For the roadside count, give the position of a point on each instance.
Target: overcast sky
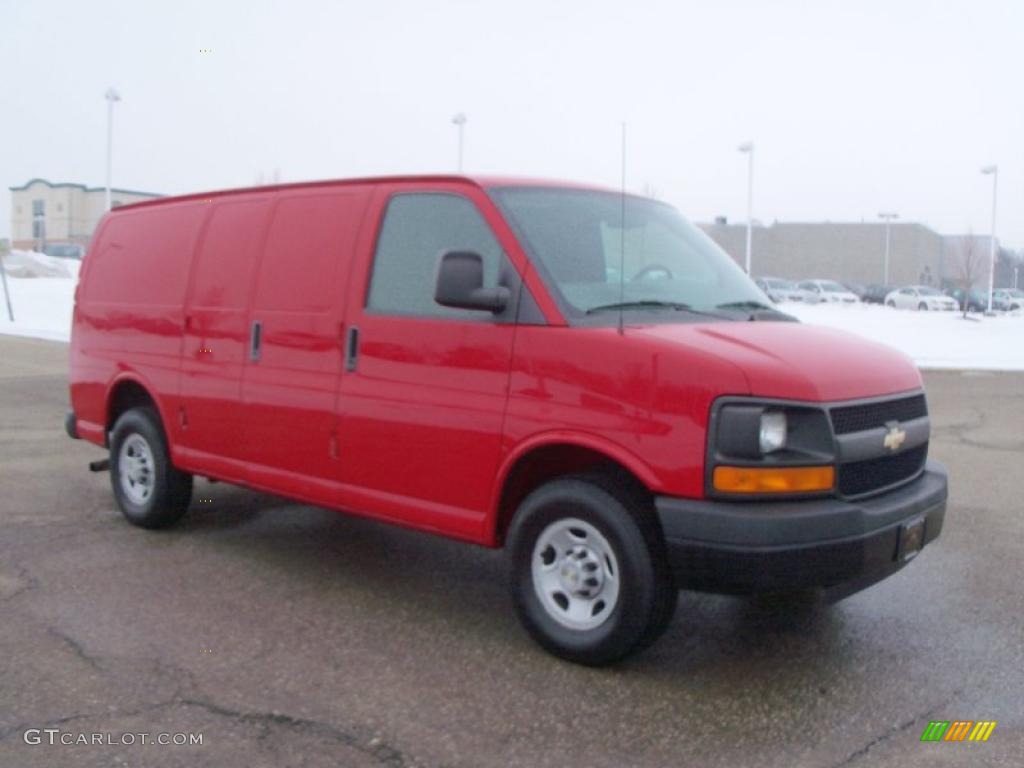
(855, 107)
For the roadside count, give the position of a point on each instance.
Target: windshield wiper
(744, 305)
(655, 304)
(754, 308)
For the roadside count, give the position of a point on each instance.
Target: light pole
(748, 148)
(111, 96)
(460, 120)
(888, 218)
(994, 170)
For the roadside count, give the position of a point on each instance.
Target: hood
(793, 361)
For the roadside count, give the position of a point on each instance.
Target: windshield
(833, 287)
(925, 291)
(658, 260)
(779, 283)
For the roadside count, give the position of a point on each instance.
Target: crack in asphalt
(862, 751)
(378, 749)
(375, 747)
(77, 648)
(22, 579)
(957, 433)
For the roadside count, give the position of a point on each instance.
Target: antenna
(622, 233)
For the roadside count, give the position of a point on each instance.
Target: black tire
(167, 491)
(922, 307)
(891, 303)
(646, 593)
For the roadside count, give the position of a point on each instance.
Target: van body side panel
(633, 401)
(422, 413)
(216, 343)
(129, 313)
(290, 385)
(87, 376)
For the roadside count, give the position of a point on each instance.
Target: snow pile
(931, 339)
(42, 307)
(35, 264)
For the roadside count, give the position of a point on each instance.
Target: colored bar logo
(958, 730)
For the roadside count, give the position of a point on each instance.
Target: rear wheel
(589, 577)
(891, 303)
(922, 307)
(150, 492)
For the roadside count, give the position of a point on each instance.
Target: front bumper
(743, 548)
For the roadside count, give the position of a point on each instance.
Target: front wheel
(149, 490)
(588, 572)
(891, 303)
(922, 307)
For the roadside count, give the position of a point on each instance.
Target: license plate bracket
(911, 539)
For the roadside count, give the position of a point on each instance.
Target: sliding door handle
(351, 348)
(255, 340)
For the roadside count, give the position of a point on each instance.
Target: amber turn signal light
(774, 479)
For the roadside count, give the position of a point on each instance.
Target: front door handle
(255, 340)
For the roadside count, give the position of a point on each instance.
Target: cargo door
(294, 352)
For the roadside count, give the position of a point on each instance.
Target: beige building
(852, 252)
(44, 213)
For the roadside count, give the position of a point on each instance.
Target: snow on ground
(42, 305)
(931, 339)
(42, 308)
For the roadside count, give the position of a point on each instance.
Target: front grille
(859, 477)
(857, 418)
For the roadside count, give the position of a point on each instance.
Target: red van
(577, 375)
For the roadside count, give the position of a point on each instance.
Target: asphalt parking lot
(293, 636)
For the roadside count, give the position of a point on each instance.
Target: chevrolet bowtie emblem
(894, 437)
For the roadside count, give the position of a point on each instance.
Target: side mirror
(460, 283)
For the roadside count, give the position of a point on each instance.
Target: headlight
(772, 434)
(765, 448)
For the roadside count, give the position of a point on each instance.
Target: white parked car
(782, 290)
(1011, 298)
(828, 290)
(921, 297)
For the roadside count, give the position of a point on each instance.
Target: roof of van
(478, 181)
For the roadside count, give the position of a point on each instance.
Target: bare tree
(969, 266)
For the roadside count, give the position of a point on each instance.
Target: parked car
(856, 289)
(64, 250)
(1011, 299)
(876, 293)
(830, 291)
(780, 290)
(976, 301)
(921, 297)
(448, 354)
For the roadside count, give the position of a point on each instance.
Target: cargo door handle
(351, 348)
(255, 341)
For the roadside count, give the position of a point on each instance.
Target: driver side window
(417, 229)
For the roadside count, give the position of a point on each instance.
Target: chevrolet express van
(578, 376)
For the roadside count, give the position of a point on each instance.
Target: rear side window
(144, 256)
(417, 229)
(310, 236)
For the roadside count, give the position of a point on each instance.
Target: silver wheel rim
(135, 465)
(575, 574)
